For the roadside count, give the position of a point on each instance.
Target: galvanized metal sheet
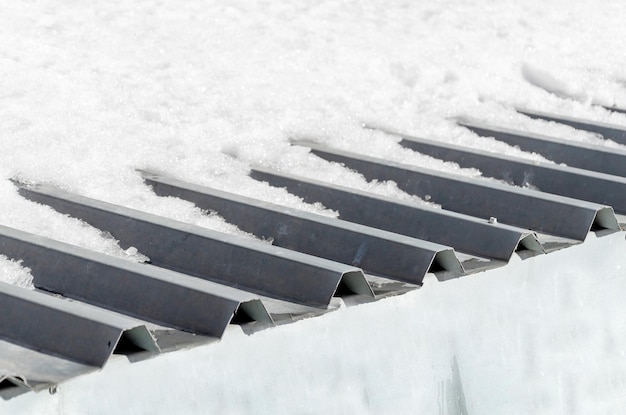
(25, 369)
(465, 233)
(73, 330)
(144, 291)
(236, 261)
(581, 155)
(547, 177)
(608, 131)
(375, 251)
(557, 215)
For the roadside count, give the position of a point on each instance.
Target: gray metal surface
(11, 386)
(72, 330)
(25, 369)
(557, 215)
(581, 155)
(46, 339)
(375, 251)
(140, 290)
(616, 109)
(236, 261)
(608, 131)
(547, 177)
(464, 233)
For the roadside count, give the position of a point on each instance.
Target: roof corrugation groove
(250, 265)
(551, 178)
(556, 215)
(608, 131)
(81, 336)
(581, 155)
(375, 251)
(190, 284)
(472, 235)
(143, 291)
(616, 109)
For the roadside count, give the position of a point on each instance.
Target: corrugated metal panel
(46, 339)
(376, 251)
(246, 264)
(471, 235)
(581, 155)
(72, 330)
(556, 215)
(144, 291)
(608, 131)
(25, 369)
(551, 178)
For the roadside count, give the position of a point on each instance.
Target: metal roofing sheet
(237, 261)
(581, 155)
(608, 131)
(471, 235)
(526, 208)
(46, 339)
(376, 251)
(551, 178)
(68, 329)
(25, 369)
(140, 290)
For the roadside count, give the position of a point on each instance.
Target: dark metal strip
(227, 259)
(581, 155)
(557, 215)
(143, 291)
(73, 330)
(551, 178)
(374, 250)
(608, 131)
(616, 109)
(464, 233)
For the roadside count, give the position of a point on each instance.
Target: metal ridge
(615, 109)
(240, 262)
(547, 177)
(72, 330)
(608, 131)
(143, 291)
(472, 235)
(543, 212)
(575, 154)
(375, 251)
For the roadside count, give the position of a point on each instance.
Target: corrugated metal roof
(88, 306)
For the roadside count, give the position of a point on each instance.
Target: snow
(202, 91)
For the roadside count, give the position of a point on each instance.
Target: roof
(87, 306)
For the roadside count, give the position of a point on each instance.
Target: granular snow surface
(92, 91)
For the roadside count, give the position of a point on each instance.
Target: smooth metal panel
(575, 154)
(465, 233)
(557, 215)
(73, 330)
(227, 259)
(141, 290)
(374, 250)
(608, 131)
(546, 177)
